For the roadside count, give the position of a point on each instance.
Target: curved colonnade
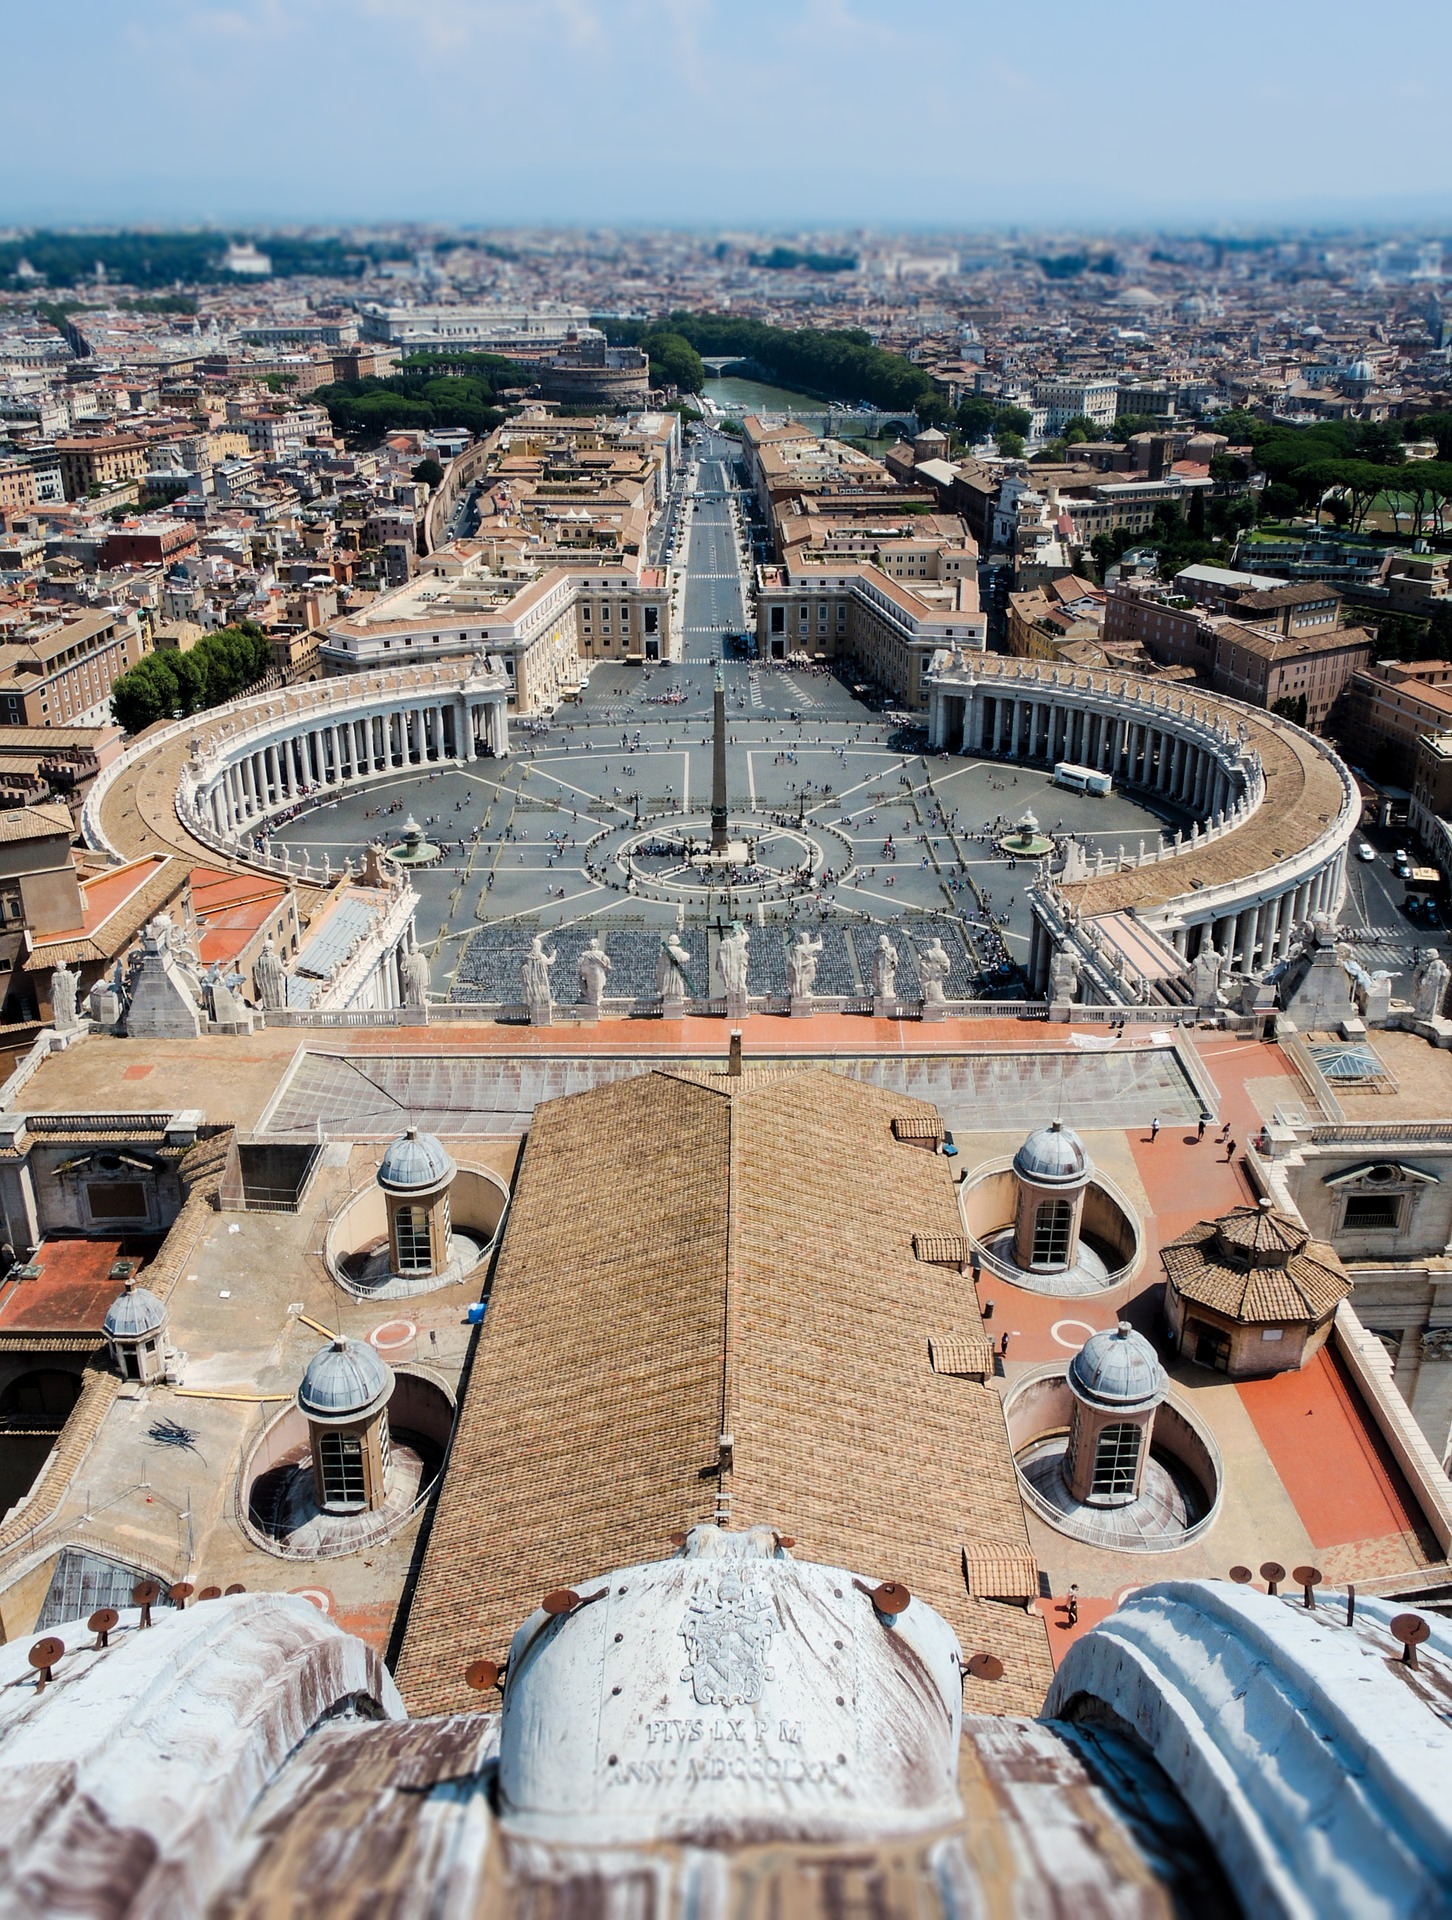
(253, 759)
(1272, 808)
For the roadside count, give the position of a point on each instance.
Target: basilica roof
(691, 1256)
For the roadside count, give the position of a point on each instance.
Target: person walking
(1200, 1129)
(1229, 1150)
(1155, 1128)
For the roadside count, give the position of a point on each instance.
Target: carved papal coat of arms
(727, 1632)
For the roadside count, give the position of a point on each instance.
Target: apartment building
(1282, 641)
(60, 672)
(1265, 666)
(919, 549)
(273, 434)
(39, 888)
(101, 460)
(1095, 399)
(1432, 786)
(1292, 608)
(1387, 707)
(152, 542)
(788, 467)
(853, 611)
(1107, 505)
(1415, 582)
(1043, 621)
(17, 486)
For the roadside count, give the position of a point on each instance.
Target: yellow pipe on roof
(226, 1393)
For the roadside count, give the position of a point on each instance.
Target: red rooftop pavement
(1309, 1417)
(72, 1293)
(761, 1034)
(1092, 1609)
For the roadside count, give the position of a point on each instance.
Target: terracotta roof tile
(969, 1355)
(1001, 1570)
(1305, 1286)
(942, 1249)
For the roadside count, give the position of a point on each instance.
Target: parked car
(1365, 851)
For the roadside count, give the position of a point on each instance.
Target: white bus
(1081, 779)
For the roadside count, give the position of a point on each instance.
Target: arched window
(341, 1455)
(415, 1243)
(1053, 1224)
(1116, 1458)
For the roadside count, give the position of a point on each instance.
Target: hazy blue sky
(773, 112)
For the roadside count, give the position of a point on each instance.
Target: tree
(1127, 425)
(1080, 429)
(430, 472)
(674, 362)
(1278, 501)
(1238, 426)
(840, 363)
(219, 666)
(1010, 444)
(933, 410)
(1378, 440)
(1291, 707)
(1432, 426)
(1226, 518)
(976, 418)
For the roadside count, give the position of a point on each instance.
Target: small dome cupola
(1054, 1156)
(344, 1395)
(1117, 1383)
(1118, 1370)
(1051, 1172)
(134, 1313)
(1259, 1237)
(345, 1380)
(135, 1330)
(415, 1175)
(413, 1163)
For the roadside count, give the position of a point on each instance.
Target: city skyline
(680, 113)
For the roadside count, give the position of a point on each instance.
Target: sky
(768, 114)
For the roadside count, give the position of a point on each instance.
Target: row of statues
(675, 986)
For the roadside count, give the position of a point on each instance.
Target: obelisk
(720, 837)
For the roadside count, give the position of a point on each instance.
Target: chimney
(733, 1064)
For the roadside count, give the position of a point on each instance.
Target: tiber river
(737, 397)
